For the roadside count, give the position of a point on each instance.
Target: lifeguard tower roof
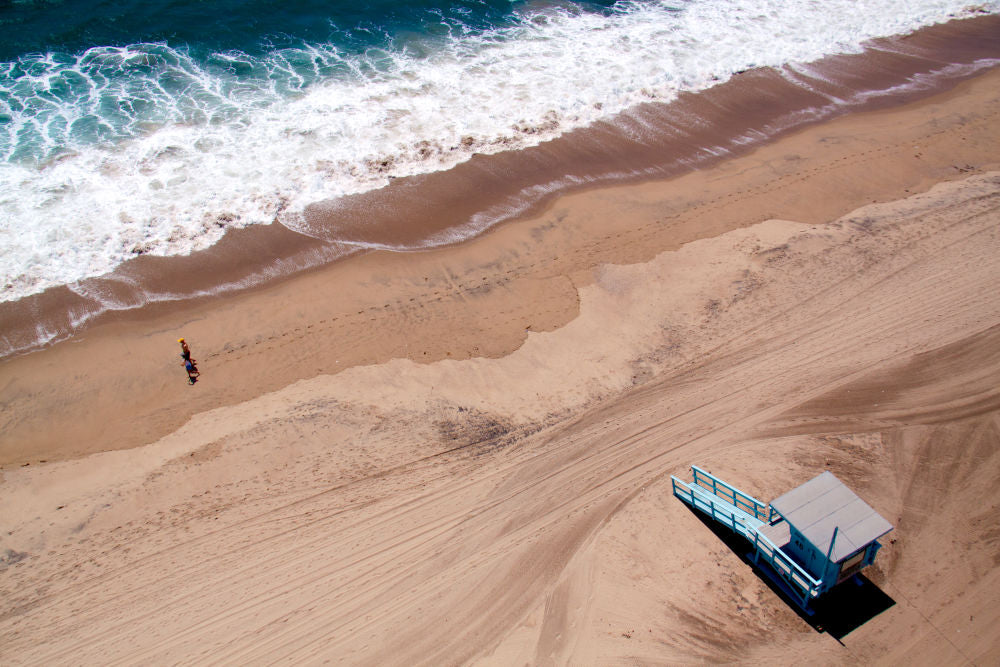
(824, 503)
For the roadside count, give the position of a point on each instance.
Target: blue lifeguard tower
(807, 541)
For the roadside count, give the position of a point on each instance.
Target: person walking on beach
(185, 350)
(189, 364)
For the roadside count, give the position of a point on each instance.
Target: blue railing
(730, 494)
(718, 508)
(801, 581)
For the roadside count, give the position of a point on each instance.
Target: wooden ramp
(758, 523)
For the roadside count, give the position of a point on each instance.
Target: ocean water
(132, 128)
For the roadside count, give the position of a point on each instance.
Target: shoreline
(652, 142)
(120, 385)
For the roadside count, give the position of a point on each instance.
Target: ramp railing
(717, 507)
(730, 494)
(745, 515)
(800, 581)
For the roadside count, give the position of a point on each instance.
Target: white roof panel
(824, 503)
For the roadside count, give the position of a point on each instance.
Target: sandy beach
(463, 455)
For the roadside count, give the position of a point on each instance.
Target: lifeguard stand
(810, 539)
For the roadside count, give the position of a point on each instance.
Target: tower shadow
(838, 612)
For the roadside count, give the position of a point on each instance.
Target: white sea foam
(187, 153)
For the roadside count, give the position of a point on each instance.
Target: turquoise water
(254, 27)
(75, 73)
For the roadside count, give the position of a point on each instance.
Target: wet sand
(121, 384)
(462, 455)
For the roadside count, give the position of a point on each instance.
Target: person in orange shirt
(185, 350)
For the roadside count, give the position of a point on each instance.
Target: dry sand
(463, 456)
